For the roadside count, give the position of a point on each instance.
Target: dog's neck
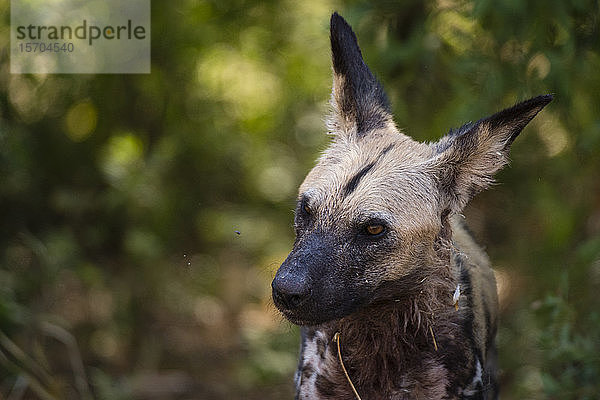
(389, 347)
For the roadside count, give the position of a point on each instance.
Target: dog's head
(373, 208)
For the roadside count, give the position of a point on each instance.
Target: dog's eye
(306, 208)
(374, 229)
(304, 212)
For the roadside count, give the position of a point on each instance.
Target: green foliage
(570, 330)
(568, 340)
(121, 195)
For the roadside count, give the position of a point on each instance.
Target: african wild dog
(381, 258)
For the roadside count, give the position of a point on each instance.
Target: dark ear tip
(538, 101)
(338, 23)
(336, 19)
(545, 98)
(344, 45)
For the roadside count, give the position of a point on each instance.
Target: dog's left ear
(467, 159)
(359, 102)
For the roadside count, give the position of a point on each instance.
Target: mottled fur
(380, 250)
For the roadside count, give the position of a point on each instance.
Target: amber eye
(306, 208)
(374, 229)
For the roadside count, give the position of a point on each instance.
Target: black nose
(289, 291)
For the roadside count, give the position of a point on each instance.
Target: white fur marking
(456, 296)
(313, 358)
(472, 388)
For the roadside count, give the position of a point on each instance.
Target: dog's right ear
(358, 100)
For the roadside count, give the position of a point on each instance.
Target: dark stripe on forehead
(387, 149)
(353, 183)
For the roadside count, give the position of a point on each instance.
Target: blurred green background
(143, 216)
